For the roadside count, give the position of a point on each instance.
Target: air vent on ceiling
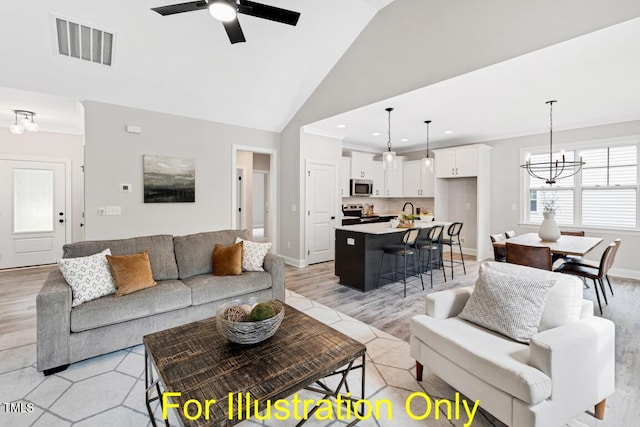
(81, 41)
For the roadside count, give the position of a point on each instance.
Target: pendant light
(552, 170)
(427, 162)
(389, 157)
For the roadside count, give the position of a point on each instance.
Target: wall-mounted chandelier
(552, 170)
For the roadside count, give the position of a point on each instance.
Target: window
(603, 194)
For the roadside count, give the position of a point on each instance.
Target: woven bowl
(249, 332)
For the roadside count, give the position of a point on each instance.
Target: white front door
(32, 212)
(321, 211)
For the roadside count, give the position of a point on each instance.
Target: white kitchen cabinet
(361, 165)
(345, 175)
(378, 179)
(393, 181)
(456, 162)
(415, 183)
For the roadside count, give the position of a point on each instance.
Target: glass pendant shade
(427, 165)
(24, 121)
(223, 10)
(16, 129)
(389, 156)
(31, 126)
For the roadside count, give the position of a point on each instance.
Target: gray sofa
(186, 292)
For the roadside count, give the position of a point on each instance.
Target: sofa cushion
(489, 356)
(131, 272)
(227, 260)
(564, 301)
(253, 254)
(511, 305)
(193, 251)
(207, 288)
(160, 248)
(89, 277)
(166, 296)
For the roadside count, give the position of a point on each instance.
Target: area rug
(109, 390)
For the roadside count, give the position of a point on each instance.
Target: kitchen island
(359, 251)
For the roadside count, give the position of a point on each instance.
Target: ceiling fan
(227, 11)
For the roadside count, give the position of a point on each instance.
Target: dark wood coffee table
(196, 361)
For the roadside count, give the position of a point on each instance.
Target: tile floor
(109, 390)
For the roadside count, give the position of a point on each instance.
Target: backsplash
(392, 206)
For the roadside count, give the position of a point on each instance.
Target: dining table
(565, 245)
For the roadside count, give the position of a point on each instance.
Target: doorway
(255, 192)
(33, 211)
(321, 211)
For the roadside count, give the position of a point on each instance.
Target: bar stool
(406, 249)
(431, 244)
(454, 240)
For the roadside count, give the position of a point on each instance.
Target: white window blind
(609, 187)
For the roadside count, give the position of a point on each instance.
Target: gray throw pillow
(507, 304)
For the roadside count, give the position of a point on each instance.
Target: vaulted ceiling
(181, 64)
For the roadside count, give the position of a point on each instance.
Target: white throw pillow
(564, 302)
(89, 277)
(253, 254)
(507, 304)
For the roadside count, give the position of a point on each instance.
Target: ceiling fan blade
(181, 7)
(234, 31)
(268, 12)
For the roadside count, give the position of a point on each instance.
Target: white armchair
(567, 368)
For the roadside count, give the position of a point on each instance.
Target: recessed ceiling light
(404, 140)
(376, 134)
(448, 132)
(342, 126)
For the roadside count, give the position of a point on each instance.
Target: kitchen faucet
(412, 208)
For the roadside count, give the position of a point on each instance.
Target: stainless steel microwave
(361, 187)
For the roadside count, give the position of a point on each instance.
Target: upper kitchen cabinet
(387, 182)
(378, 179)
(416, 183)
(393, 179)
(457, 162)
(361, 165)
(345, 175)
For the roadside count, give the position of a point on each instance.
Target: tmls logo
(18, 407)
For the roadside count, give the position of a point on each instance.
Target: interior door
(32, 212)
(321, 211)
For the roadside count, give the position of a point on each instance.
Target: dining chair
(509, 234)
(499, 252)
(592, 264)
(405, 250)
(594, 273)
(431, 245)
(531, 256)
(453, 239)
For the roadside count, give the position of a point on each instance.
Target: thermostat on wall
(125, 188)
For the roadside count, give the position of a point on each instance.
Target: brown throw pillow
(227, 260)
(131, 272)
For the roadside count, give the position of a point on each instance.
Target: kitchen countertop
(384, 227)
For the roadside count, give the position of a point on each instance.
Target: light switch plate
(114, 210)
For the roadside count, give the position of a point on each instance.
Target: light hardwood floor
(385, 308)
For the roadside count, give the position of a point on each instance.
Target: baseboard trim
(625, 273)
(294, 262)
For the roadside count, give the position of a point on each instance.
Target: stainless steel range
(359, 214)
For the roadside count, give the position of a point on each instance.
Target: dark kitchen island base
(358, 256)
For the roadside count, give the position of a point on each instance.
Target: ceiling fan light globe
(223, 10)
(16, 129)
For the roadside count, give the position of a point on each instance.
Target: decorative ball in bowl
(249, 320)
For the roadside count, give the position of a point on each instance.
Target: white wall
(414, 43)
(58, 146)
(113, 156)
(505, 189)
